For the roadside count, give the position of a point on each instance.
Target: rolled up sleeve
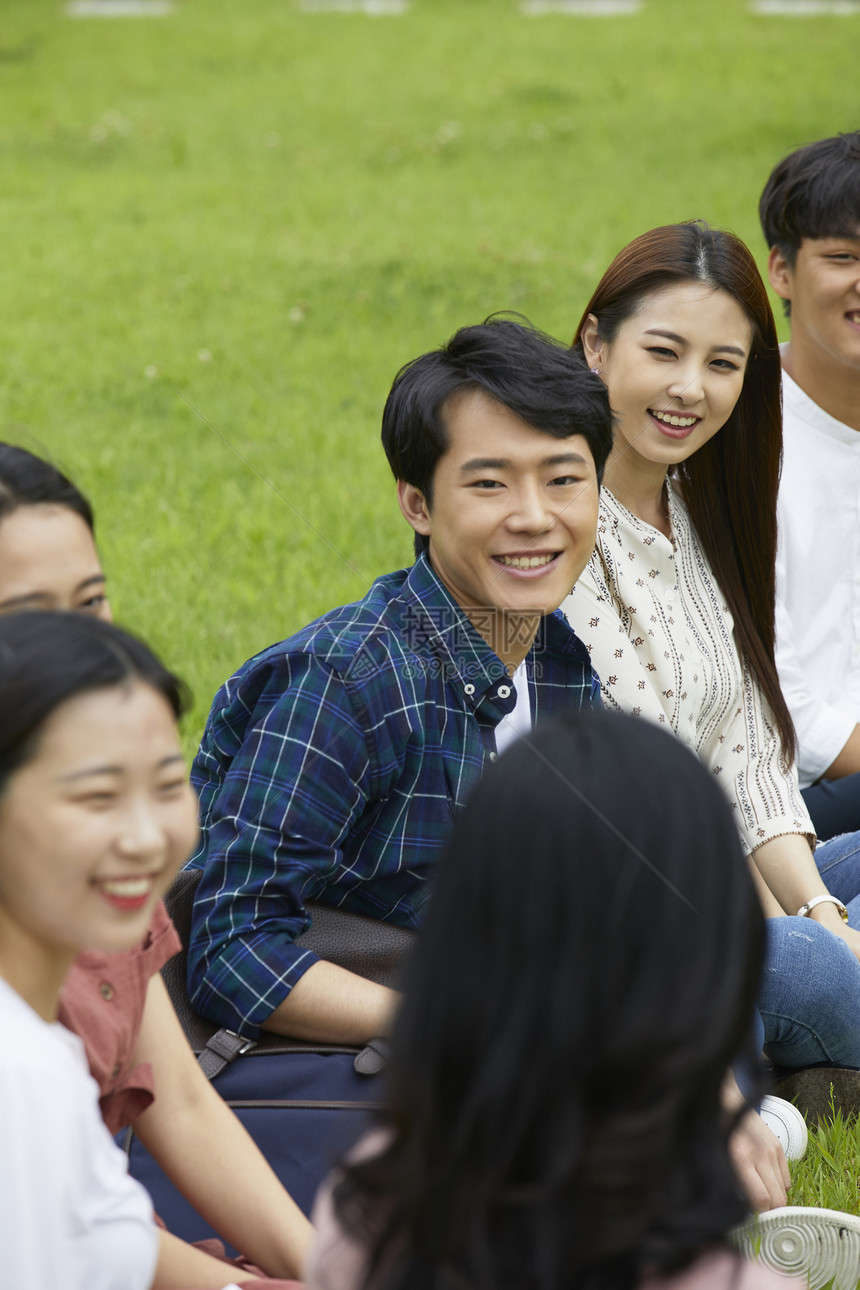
(274, 826)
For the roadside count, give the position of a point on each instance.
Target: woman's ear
(592, 346)
(415, 509)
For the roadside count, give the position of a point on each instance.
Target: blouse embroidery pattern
(661, 637)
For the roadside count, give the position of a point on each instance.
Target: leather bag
(303, 1104)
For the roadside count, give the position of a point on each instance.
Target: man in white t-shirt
(810, 213)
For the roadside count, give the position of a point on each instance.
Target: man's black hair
(813, 192)
(545, 384)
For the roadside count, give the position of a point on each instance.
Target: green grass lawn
(829, 1173)
(224, 232)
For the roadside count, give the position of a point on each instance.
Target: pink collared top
(102, 1002)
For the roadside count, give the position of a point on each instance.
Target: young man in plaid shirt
(332, 763)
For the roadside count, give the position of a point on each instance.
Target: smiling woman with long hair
(555, 1117)
(676, 605)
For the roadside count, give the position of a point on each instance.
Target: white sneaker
(787, 1123)
(821, 1245)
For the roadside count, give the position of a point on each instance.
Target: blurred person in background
(96, 817)
(117, 1002)
(810, 214)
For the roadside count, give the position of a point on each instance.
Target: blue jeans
(834, 805)
(810, 993)
(746, 1077)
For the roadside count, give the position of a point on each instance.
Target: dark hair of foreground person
(554, 1116)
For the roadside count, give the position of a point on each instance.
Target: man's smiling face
(513, 514)
(823, 286)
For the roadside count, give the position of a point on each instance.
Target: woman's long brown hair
(730, 485)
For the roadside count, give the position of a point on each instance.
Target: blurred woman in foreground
(570, 1016)
(96, 817)
(136, 1049)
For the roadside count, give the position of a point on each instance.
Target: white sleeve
(822, 729)
(122, 1240)
(746, 754)
(70, 1216)
(37, 1182)
(644, 676)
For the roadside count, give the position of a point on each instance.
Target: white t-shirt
(70, 1216)
(818, 579)
(519, 721)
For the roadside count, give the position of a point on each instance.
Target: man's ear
(592, 346)
(415, 509)
(779, 273)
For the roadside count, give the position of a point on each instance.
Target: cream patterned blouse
(661, 639)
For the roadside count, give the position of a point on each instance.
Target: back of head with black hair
(534, 376)
(813, 192)
(584, 979)
(28, 480)
(48, 657)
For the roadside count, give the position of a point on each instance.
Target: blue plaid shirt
(330, 770)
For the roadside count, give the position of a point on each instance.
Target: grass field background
(224, 231)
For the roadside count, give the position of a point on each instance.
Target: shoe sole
(822, 1245)
(787, 1123)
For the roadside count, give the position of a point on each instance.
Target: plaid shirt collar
(433, 620)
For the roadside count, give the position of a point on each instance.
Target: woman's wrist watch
(806, 910)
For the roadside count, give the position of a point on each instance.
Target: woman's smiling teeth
(672, 419)
(526, 561)
(130, 888)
